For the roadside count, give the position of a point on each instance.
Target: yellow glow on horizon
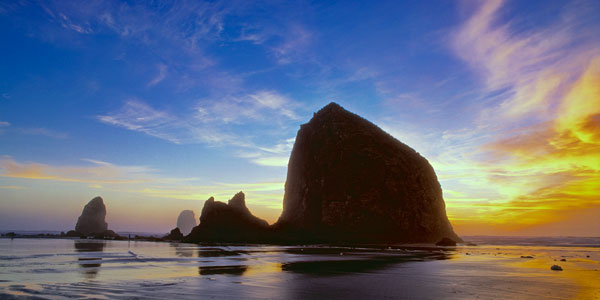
(543, 173)
(533, 158)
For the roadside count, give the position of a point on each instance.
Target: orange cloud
(542, 164)
(98, 173)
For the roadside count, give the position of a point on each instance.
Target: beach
(96, 269)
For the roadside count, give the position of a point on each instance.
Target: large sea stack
(186, 222)
(228, 222)
(349, 181)
(92, 218)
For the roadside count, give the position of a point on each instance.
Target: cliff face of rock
(92, 218)
(186, 222)
(349, 181)
(228, 222)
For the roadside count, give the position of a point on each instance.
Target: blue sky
(157, 106)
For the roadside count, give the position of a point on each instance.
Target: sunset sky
(156, 107)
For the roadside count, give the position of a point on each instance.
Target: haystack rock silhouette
(186, 221)
(92, 222)
(349, 181)
(228, 222)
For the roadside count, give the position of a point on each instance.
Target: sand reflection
(338, 261)
(183, 250)
(317, 261)
(578, 269)
(89, 262)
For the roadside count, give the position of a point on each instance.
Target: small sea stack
(92, 222)
(186, 221)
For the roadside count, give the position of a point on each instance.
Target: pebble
(556, 268)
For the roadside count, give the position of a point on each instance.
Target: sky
(157, 106)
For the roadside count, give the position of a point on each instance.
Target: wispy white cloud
(275, 156)
(293, 45)
(187, 27)
(261, 106)
(162, 74)
(138, 116)
(3, 125)
(9, 6)
(532, 66)
(191, 29)
(44, 132)
(137, 19)
(362, 73)
(80, 28)
(210, 123)
(251, 34)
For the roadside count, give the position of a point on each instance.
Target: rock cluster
(228, 222)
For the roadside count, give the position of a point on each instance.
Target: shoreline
(148, 269)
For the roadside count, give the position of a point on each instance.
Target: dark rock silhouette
(349, 181)
(446, 242)
(556, 268)
(186, 221)
(175, 235)
(91, 223)
(231, 222)
(92, 217)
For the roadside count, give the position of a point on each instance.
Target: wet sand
(61, 269)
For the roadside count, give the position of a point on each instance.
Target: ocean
(488, 268)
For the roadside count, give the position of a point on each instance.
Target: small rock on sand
(526, 256)
(556, 268)
(564, 259)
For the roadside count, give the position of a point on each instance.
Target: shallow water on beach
(94, 269)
